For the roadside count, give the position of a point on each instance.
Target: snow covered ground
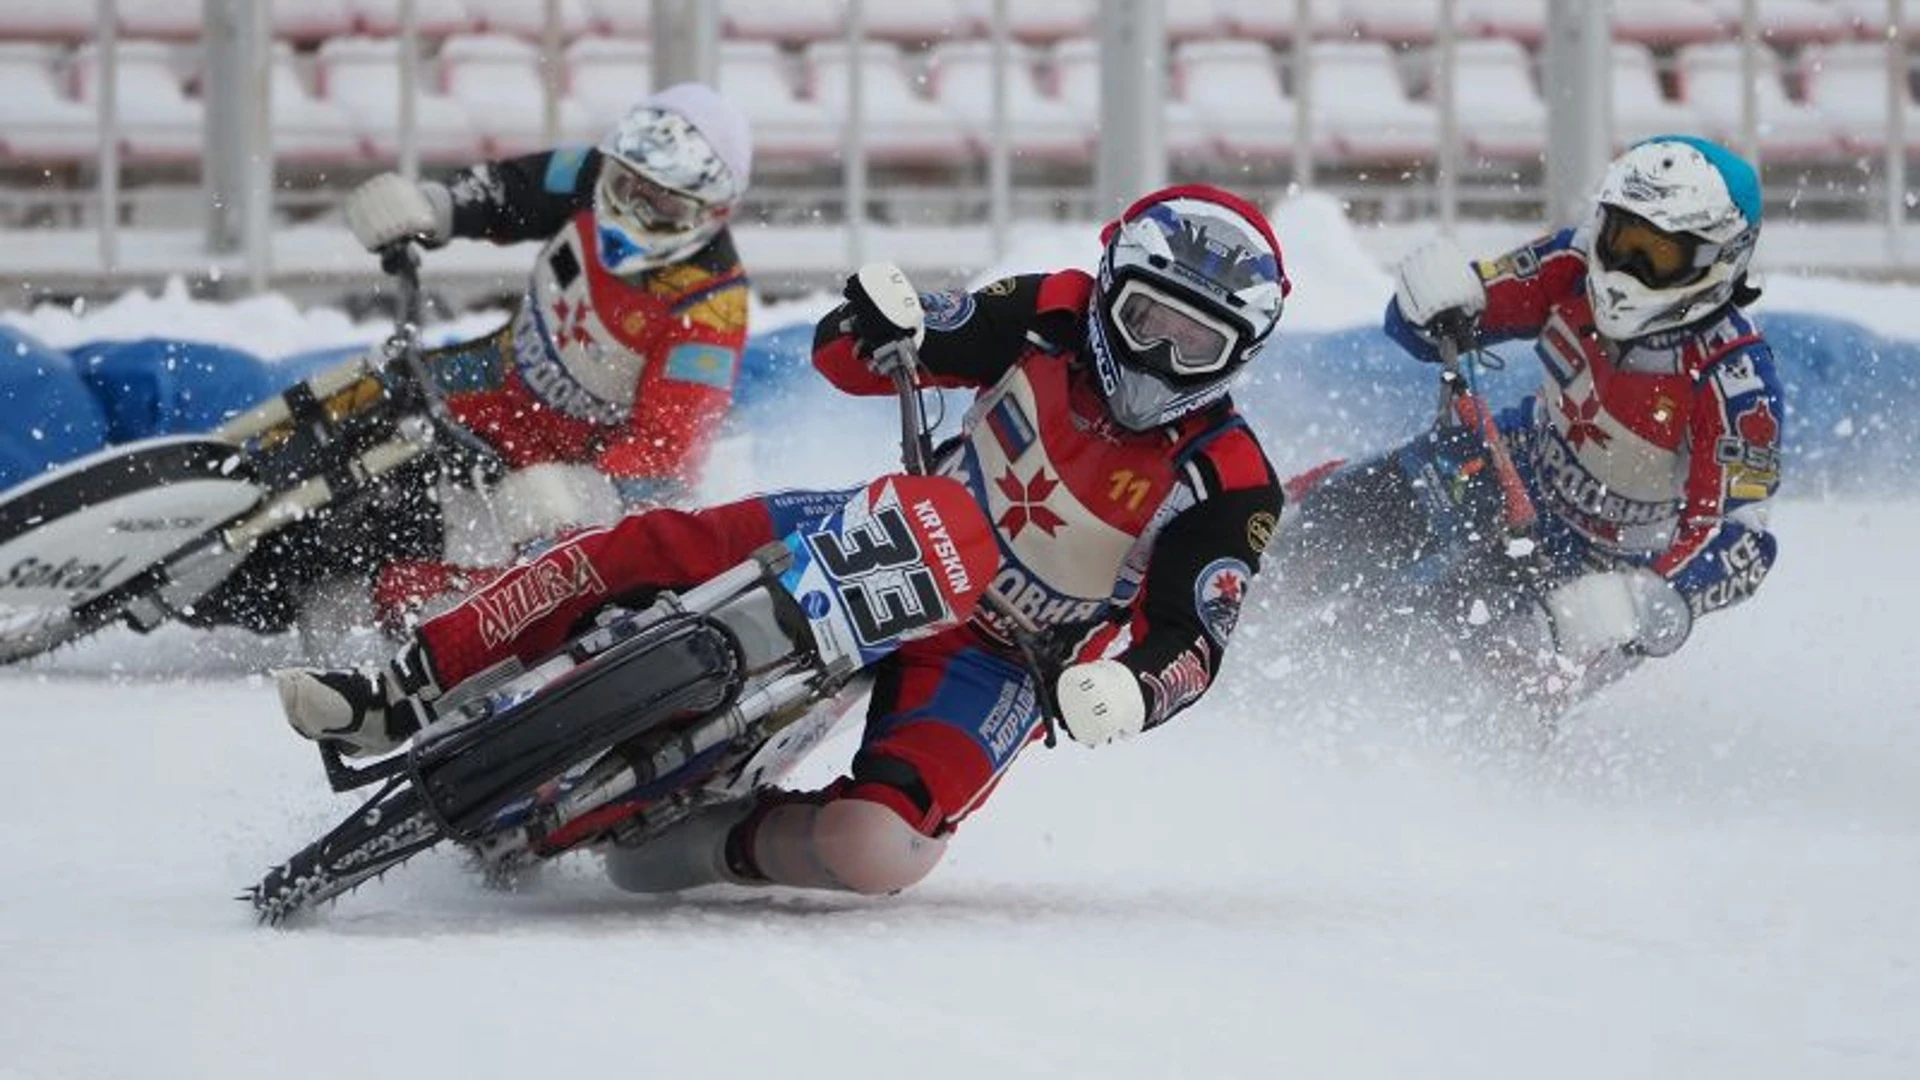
(1714, 874)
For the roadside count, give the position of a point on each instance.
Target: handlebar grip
(1456, 327)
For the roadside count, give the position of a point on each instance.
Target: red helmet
(1189, 288)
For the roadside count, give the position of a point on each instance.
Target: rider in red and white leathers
(1653, 444)
(1130, 501)
(605, 389)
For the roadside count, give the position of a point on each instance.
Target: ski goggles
(1199, 343)
(1650, 255)
(626, 193)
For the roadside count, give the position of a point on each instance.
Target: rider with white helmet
(605, 389)
(1653, 443)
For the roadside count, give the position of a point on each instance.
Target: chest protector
(1075, 500)
(582, 336)
(1610, 443)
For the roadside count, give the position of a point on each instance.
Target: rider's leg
(528, 612)
(946, 719)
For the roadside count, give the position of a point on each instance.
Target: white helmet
(670, 175)
(1672, 232)
(1189, 288)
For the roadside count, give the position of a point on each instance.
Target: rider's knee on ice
(848, 843)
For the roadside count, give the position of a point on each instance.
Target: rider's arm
(1521, 286)
(1721, 552)
(1176, 633)
(972, 337)
(523, 198)
(686, 385)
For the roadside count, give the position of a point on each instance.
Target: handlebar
(401, 262)
(1460, 406)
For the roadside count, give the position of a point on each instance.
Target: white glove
(390, 207)
(1434, 279)
(1100, 701)
(883, 310)
(1615, 609)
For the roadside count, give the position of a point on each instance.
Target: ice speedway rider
(604, 389)
(1653, 443)
(1130, 501)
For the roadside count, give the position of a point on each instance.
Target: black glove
(882, 310)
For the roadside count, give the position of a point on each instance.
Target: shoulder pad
(1234, 452)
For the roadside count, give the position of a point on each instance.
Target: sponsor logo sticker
(1260, 529)
(1217, 596)
(946, 309)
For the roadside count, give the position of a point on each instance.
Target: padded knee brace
(846, 842)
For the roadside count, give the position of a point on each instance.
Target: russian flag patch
(1010, 427)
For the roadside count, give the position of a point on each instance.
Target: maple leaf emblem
(570, 323)
(1758, 425)
(1027, 503)
(1580, 425)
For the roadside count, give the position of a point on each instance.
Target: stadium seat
(1710, 81)
(1502, 117)
(1235, 92)
(901, 127)
(1194, 20)
(497, 78)
(1788, 22)
(1640, 108)
(1847, 83)
(798, 21)
(1665, 22)
(621, 18)
(1360, 102)
(158, 121)
(437, 18)
(362, 76)
(311, 20)
(1390, 20)
(1076, 66)
(608, 76)
(1868, 18)
(789, 132)
(1041, 22)
(1266, 20)
(305, 128)
(1524, 21)
(159, 19)
(37, 122)
(47, 20)
(525, 19)
(920, 22)
(1039, 127)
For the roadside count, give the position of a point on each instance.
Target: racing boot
(708, 848)
(361, 712)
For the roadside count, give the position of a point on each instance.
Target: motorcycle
(702, 696)
(1422, 565)
(195, 528)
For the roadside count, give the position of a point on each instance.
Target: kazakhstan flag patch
(709, 365)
